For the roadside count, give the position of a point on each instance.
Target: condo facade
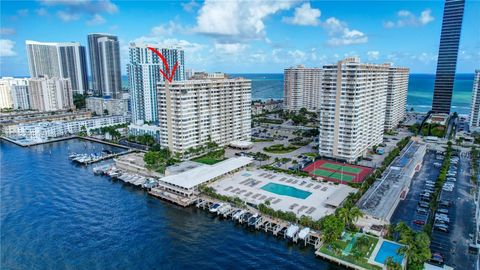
(447, 55)
(397, 89)
(104, 52)
(353, 105)
(107, 106)
(14, 93)
(209, 108)
(143, 75)
(59, 60)
(302, 88)
(475, 107)
(50, 94)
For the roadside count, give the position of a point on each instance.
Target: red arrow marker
(167, 76)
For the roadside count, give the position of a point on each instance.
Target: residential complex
(143, 75)
(475, 107)
(353, 105)
(59, 60)
(447, 55)
(397, 89)
(5, 95)
(140, 129)
(42, 131)
(104, 52)
(107, 106)
(302, 88)
(50, 94)
(209, 108)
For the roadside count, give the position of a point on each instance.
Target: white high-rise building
(397, 89)
(302, 88)
(353, 102)
(5, 95)
(104, 51)
(194, 112)
(14, 93)
(50, 94)
(144, 74)
(59, 60)
(475, 107)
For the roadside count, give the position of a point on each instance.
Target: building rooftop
(199, 175)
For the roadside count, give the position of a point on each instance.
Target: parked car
(422, 210)
(423, 205)
(437, 258)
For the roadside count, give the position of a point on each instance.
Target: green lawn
(280, 149)
(363, 251)
(208, 160)
(339, 167)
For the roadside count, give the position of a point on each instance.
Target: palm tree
(355, 214)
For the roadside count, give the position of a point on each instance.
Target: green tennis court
(338, 167)
(334, 175)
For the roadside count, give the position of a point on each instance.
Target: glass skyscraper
(447, 55)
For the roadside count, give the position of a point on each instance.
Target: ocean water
(56, 215)
(420, 90)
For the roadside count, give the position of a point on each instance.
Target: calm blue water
(420, 90)
(55, 215)
(388, 249)
(286, 190)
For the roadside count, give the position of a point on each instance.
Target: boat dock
(86, 159)
(253, 219)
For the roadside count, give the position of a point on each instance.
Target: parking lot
(454, 225)
(453, 245)
(407, 209)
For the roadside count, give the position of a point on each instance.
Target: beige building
(212, 108)
(109, 106)
(50, 94)
(302, 88)
(353, 102)
(397, 89)
(475, 107)
(5, 95)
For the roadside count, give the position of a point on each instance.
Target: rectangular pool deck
(300, 195)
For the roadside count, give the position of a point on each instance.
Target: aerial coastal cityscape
(162, 153)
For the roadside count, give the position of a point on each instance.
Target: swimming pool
(286, 190)
(388, 249)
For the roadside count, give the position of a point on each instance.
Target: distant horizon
(259, 73)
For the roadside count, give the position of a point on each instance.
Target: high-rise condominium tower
(475, 108)
(397, 89)
(209, 107)
(353, 104)
(50, 94)
(59, 60)
(143, 75)
(104, 51)
(447, 55)
(302, 88)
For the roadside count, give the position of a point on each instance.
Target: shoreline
(65, 139)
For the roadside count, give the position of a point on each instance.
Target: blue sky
(239, 36)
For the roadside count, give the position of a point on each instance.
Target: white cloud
(373, 55)
(96, 20)
(22, 12)
(7, 31)
(237, 19)
(6, 48)
(67, 17)
(71, 10)
(230, 48)
(407, 18)
(41, 11)
(190, 6)
(304, 15)
(84, 6)
(341, 35)
(169, 29)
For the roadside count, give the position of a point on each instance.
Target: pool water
(286, 190)
(389, 249)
